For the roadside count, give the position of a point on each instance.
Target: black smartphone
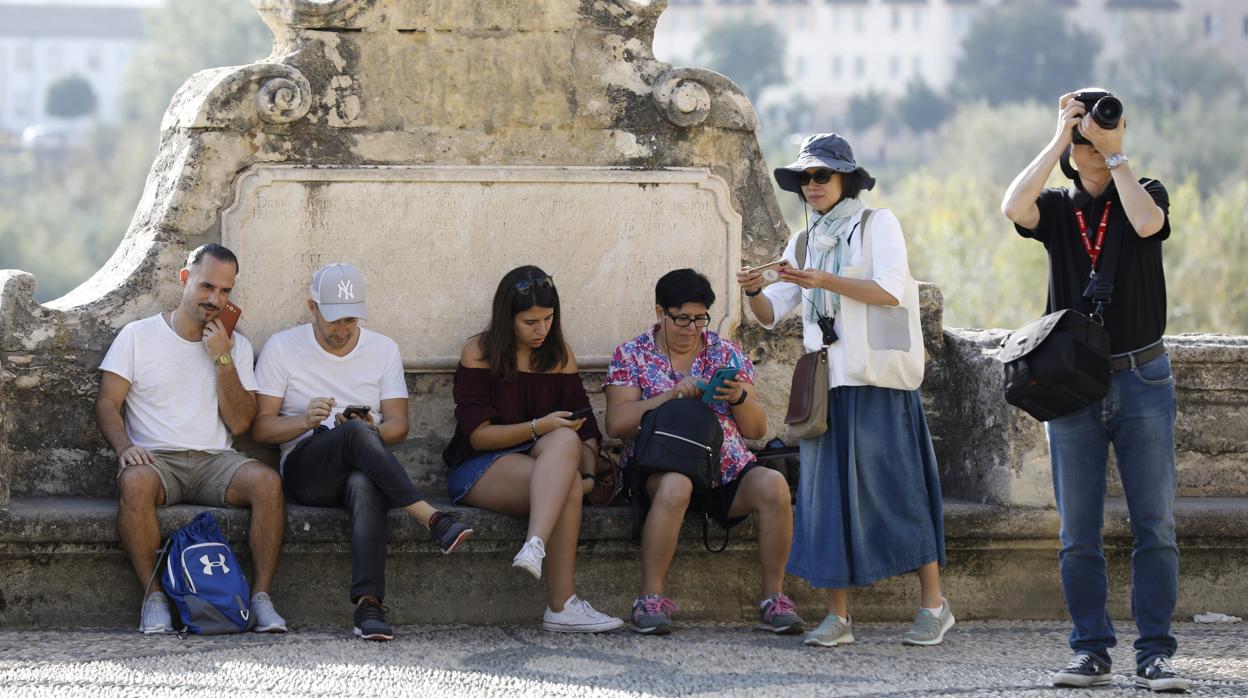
(360, 411)
(578, 414)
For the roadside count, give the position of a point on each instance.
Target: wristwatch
(223, 360)
(1115, 161)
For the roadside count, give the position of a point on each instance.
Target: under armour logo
(346, 290)
(209, 564)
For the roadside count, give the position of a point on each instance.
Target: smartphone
(360, 411)
(771, 270)
(726, 373)
(580, 414)
(229, 317)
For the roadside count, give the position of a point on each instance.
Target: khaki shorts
(197, 477)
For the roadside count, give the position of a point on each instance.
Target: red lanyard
(1094, 251)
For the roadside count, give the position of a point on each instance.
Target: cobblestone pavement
(978, 658)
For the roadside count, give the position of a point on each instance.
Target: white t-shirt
(294, 367)
(891, 271)
(172, 402)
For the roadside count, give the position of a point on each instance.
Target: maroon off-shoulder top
(479, 398)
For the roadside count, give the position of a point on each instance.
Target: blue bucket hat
(825, 150)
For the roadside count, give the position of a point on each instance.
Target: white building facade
(43, 43)
(837, 49)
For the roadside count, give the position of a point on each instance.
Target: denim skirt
(868, 499)
(463, 476)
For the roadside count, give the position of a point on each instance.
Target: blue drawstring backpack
(205, 581)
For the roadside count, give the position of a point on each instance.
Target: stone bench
(63, 566)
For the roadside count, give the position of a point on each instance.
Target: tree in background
(1162, 69)
(749, 51)
(1023, 51)
(865, 110)
(62, 223)
(921, 108)
(70, 97)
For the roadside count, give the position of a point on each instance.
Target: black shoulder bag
(1060, 363)
(679, 436)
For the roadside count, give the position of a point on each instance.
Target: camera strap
(1100, 288)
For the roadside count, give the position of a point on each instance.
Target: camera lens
(1107, 112)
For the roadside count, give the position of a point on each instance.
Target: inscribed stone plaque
(433, 243)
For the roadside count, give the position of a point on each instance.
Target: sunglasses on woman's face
(525, 286)
(820, 177)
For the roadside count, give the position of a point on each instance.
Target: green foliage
(1023, 51)
(921, 108)
(1205, 259)
(70, 97)
(1162, 70)
(749, 51)
(60, 219)
(865, 110)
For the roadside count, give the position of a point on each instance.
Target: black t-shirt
(1136, 317)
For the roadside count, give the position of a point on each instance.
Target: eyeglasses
(685, 320)
(525, 286)
(820, 177)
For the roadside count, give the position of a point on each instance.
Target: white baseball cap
(339, 291)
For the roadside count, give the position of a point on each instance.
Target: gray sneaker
(929, 628)
(831, 632)
(778, 615)
(154, 618)
(267, 619)
(652, 615)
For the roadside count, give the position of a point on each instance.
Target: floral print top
(641, 364)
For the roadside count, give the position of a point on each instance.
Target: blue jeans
(1137, 417)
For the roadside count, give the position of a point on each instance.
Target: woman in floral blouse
(672, 360)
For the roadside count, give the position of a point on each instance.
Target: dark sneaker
(779, 615)
(448, 531)
(1157, 675)
(370, 620)
(652, 615)
(1083, 670)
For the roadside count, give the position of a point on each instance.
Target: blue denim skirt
(463, 476)
(868, 500)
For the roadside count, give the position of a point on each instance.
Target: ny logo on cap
(346, 290)
(209, 564)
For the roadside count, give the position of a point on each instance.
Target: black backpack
(680, 436)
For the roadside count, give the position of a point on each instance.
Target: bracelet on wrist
(739, 401)
(755, 292)
(533, 428)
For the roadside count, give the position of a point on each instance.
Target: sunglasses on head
(525, 286)
(820, 177)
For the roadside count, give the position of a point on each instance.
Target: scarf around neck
(825, 238)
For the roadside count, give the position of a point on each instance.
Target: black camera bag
(1060, 363)
(679, 436)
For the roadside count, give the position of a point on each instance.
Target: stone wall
(380, 90)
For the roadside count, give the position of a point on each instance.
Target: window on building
(1246, 26)
(860, 67)
(838, 16)
(916, 66)
(895, 19)
(918, 20)
(24, 59)
(55, 58)
(1213, 27)
(860, 20)
(94, 58)
(838, 67)
(894, 66)
(799, 67)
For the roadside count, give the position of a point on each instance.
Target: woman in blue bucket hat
(868, 501)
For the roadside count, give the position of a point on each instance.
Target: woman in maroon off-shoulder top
(521, 443)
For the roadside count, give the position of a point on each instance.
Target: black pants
(350, 466)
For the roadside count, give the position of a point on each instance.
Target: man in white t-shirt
(187, 387)
(333, 395)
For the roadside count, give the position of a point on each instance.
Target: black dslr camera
(1106, 110)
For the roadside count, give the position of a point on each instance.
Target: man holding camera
(1137, 416)
(333, 394)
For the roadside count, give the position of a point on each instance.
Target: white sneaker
(267, 619)
(578, 616)
(530, 557)
(154, 618)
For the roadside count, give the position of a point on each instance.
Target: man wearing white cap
(333, 395)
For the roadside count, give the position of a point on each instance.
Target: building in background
(841, 48)
(42, 42)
